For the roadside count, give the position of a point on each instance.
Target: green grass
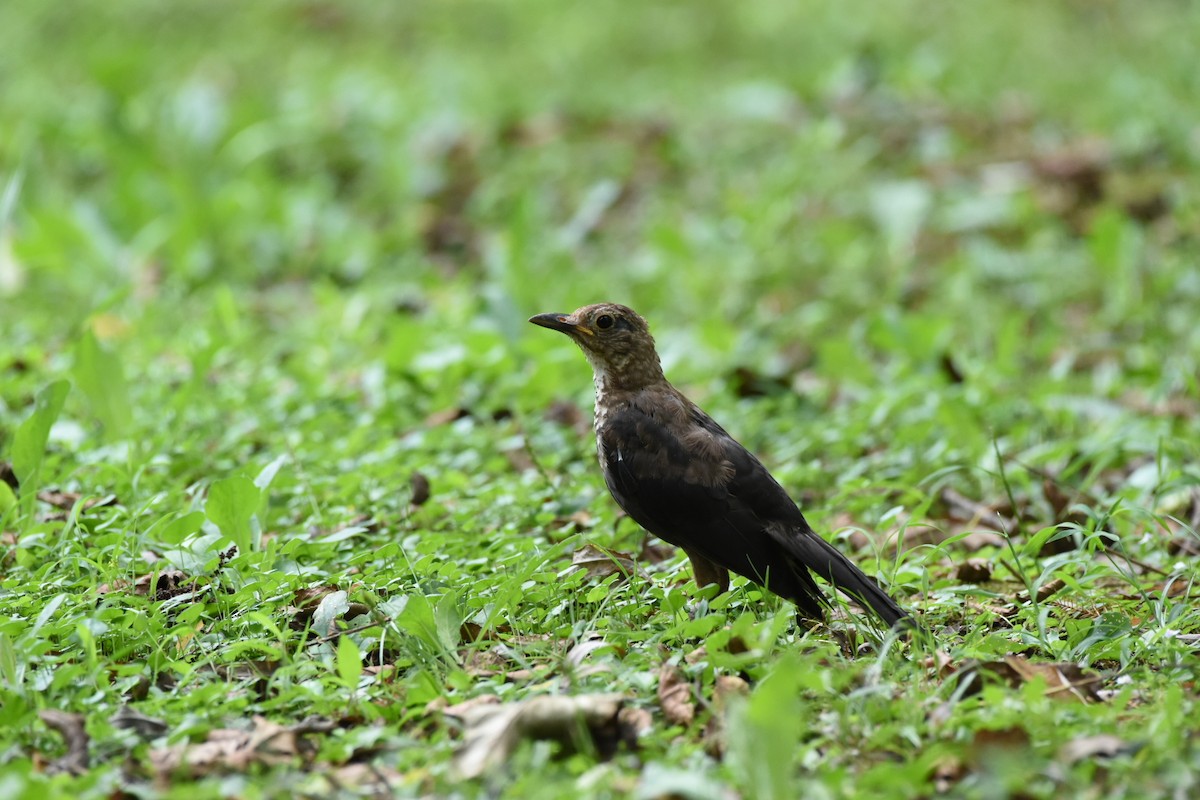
(284, 256)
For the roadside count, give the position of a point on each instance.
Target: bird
(684, 479)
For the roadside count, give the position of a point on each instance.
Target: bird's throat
(600, 381)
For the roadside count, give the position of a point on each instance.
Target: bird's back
(678, 474)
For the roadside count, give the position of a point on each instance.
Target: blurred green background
(889, 194)
(766, 164)
(893, 247)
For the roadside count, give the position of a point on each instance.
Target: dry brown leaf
(725, 689)
(675, 695)
(1174, 588)
(600, 564)
(974, 570)
(634, 722)
(1044, 592)
(654, 551)
(493, 731)
(569, 415)
(948, 772)
(964, 509)
(465, 708)
(131, 719)
(378, 780)
(162, 586)
(1063, 680)
(419, 486)
(71, 728)
(483, 663)
(65, 501)
(520, 459)
(267, 743)
(989, 745)
(1100, 746)
(8, 475)
(446, 416)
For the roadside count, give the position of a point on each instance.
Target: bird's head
(616, 341)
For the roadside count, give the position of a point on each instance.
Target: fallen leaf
(376, 780)
(675, 695)
(419, 486)
(726, 687)
(1099, 746)
(947, 773)
(322, 606)
(579, 521)
(961, 507)
(465, 708)
(8, 475)
(446, 416)
(519, 459)
(974, 570)
(266, 743)
(990, 749)
(1044, 592)
(494, 731)
(161, 586)
(748, 382)
(71, 728)
(600, 564)
(144, 726)
(633, 723)
(65, 501)
(950, 368)
(1063, 680)
(655, 552)
(569, 415)
(447, 230)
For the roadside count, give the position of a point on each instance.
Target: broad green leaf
(180, 528)
(265, 477)
(349, 662)
(12, 669)
(8, 499)
(100, 375)
(268, 473)
(231, 505)
(46, 614)
(418, 619)
(448, 620)
(765, 733)
(29, 444)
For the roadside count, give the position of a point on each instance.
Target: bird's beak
(564, 323)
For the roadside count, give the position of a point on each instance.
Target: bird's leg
(706, 572)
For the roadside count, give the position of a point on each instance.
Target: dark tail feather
(828, 562)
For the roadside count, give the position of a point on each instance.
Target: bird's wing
(687, 481)
(695, 486)
(791, 532)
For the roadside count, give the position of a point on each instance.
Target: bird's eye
(604, 322)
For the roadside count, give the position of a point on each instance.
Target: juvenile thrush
(680, 476)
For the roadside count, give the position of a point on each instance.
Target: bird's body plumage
(683, 478)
